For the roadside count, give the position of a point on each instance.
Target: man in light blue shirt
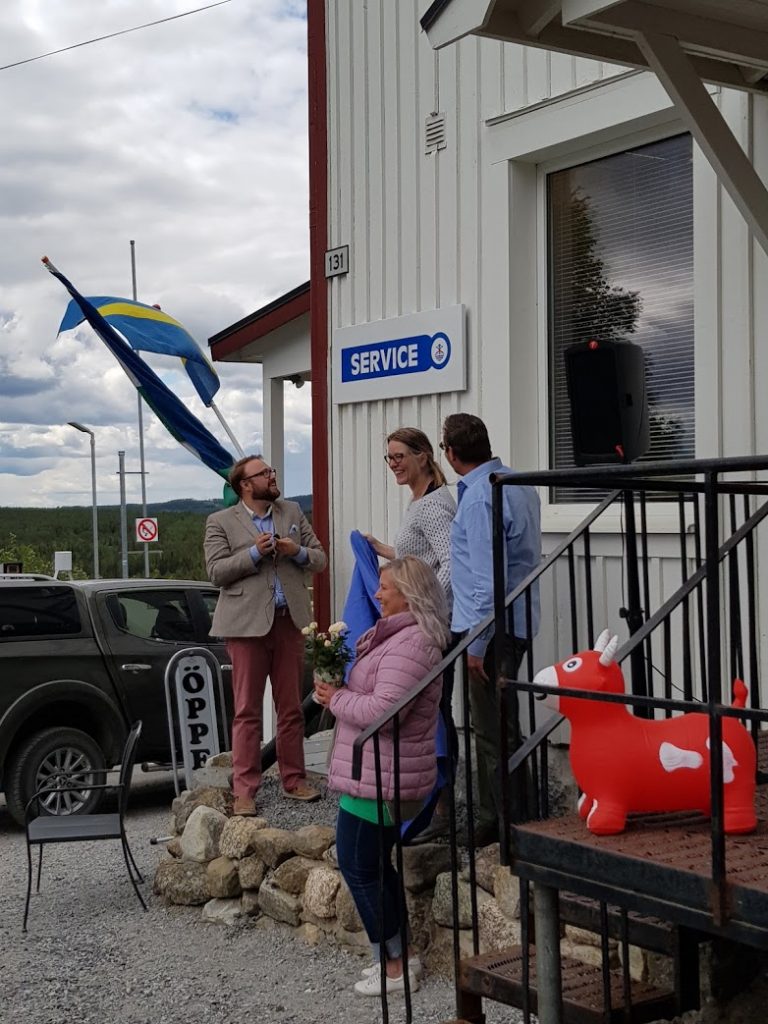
(468, 451)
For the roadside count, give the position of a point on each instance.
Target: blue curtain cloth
(361, 611)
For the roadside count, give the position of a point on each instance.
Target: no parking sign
(146, 530)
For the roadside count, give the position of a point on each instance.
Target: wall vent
(434, 133)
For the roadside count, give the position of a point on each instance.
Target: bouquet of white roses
(329, 652)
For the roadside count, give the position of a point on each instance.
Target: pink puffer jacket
(392, 658)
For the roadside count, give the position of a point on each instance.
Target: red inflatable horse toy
(625, 764)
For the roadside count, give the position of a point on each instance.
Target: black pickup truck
(80, 661)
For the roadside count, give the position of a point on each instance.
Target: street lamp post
(85, 430)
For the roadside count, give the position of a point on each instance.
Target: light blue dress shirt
(472, 552)
(266, 524)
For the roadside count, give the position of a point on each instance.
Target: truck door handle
(226, 668)
(135, 667)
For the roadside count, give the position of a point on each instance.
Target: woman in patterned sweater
(425, 532)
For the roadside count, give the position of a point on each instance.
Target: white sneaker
(371, 985)
(414, 966)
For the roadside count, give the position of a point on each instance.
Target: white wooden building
(510, 179)
(458, 176)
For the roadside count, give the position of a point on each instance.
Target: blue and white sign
(417, 354)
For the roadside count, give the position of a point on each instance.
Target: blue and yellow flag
(149, 329)
(169, 409)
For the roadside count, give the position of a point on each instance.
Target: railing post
(712, 565)
(506, 699)
(546, 913)
(634, 612)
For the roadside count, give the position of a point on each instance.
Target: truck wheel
(49, 760)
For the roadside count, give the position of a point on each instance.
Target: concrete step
(316, 752)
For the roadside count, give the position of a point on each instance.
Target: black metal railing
(715, 598)
(676, 653)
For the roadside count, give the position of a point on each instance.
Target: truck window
(38, 611)
(152, 615)
(210, 598)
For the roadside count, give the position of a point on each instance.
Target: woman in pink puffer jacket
(392, 658)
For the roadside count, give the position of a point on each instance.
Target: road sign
(146, 530)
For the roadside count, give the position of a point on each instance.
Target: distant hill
(199, 506)
(204, 506)
(31, 535)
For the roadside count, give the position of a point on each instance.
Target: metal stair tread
(643, 930)
(498, 976)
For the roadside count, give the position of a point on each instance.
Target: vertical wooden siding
(415, 224)
(413, 221)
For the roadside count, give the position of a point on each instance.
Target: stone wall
(241, 868)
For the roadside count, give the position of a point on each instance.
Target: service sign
(417, 354)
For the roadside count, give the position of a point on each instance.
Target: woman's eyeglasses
(395, 460)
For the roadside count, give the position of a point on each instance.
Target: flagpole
(142, 471)
(223, 422)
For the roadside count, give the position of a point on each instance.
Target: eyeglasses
(262, 472)
(443, 446)
(395, 460)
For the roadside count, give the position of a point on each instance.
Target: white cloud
(189, 137)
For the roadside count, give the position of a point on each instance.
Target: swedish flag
(169, 409)
(149, 329)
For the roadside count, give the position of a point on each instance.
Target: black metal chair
(82, 828)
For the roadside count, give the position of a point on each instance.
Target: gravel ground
(91, 956)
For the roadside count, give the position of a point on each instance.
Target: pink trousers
(279, 655)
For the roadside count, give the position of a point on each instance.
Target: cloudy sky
(189, 137)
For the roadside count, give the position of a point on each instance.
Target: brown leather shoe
(244, 807)
(303, 791)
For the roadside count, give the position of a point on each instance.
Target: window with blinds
(620, 262)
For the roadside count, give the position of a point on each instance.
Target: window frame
(164, 596)
(662, 517)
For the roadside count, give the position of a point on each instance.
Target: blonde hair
(426, 599)
(419, 444)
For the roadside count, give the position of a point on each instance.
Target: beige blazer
(246, 605)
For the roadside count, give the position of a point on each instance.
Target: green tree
(591, 305)
(32, 560)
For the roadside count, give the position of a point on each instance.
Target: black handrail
(642, 479)
(700, 576)
(691, 583)
(610, 475)
(458, 650)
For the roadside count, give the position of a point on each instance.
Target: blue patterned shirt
(266, 524)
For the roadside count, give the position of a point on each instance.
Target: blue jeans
(357, 850)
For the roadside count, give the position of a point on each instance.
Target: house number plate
(337, 261)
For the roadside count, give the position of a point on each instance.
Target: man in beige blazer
(260, 553)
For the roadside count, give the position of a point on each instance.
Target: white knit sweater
(425, 532)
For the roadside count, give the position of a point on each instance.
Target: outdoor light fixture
(94, 512)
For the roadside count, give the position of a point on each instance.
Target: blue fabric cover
(361, 610)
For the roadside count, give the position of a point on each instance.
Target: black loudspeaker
(609, 406)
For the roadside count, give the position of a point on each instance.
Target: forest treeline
(32, 535)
